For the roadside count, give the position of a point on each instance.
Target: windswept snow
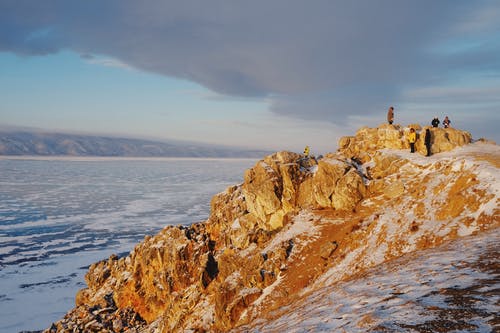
(300, 226)
(454, 286)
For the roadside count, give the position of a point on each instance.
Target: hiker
(306, 151)
(412, 138)
(428, 141)
(446, 122)
(390, 115)
(435, 122)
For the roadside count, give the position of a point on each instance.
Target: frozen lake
(58, 216)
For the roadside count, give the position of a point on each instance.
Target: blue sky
(263, 74)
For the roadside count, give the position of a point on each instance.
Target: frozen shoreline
(59, 215)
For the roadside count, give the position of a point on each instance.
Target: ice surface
(58, 216)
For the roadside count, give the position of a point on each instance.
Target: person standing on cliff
(446, 122)
(412, 138)
(390, 115)
(428, 141)
(306, 151)
(435, 122)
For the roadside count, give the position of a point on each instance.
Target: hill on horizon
(22, 143)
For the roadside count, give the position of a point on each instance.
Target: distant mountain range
(59, 144)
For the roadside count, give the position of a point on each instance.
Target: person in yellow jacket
(306, 151)
(412, 138)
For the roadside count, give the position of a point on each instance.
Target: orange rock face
(296, 223)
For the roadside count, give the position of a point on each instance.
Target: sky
(267, 74)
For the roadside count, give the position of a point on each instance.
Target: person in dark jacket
(428, 141)
(435, 122)
(446, 122)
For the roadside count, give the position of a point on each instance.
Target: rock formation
(294, 222)
(368, 140)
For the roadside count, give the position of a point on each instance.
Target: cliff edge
(295, 224)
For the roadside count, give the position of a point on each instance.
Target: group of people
(446, 122)
(412, 136)
(435, 121)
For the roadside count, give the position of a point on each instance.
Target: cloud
(321, 60)
(105, 61)
(458, 95)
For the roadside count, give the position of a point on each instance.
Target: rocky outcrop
(281, 185)
(293, 222)
(179, 269)
(368, 140)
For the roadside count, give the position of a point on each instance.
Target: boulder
(442, 139)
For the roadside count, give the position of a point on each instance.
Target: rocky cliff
(293, 225)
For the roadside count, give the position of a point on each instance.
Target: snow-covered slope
(425, 203)
(453, 287)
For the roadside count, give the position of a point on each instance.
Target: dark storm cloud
(314, 59)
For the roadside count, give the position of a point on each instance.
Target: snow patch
(313, 169)
(403, 294)
(236, 224)
(301, 224)
(233, 280)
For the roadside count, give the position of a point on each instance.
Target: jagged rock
(394, 189)
(178, 259)
(484, 140)
(368, 140)
(384, 165)
(211, 270)
(277, 186)
(270, 188)
(328, 249)
(349, 191)
(259, 247)
(442, 139)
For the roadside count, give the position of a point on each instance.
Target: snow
(300, 226)
(7, 249)
(266, 166)
(248, 291)
(407, 292)
(465, 230)
(265, 292)
(233, 279)
(313, 169)
(334, 161)
(394, 223)
(236, 224)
